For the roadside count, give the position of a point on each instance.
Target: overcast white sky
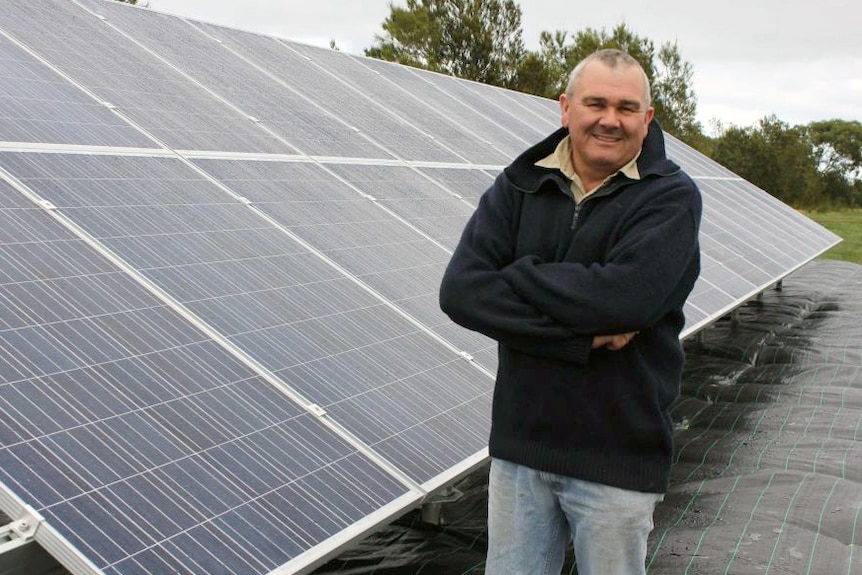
(798, 59)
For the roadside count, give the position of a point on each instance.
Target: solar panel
(749, 239)
(139, 438)
(483, 126)
(339, 112)
(424, 114)
(37, 105)
(154, 95)
(374, 239)
(220, 259)
(221, 345)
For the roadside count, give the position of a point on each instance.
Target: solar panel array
(220, 345)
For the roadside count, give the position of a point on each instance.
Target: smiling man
(578, 261)
(607, 112)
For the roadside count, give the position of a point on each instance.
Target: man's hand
(613, 342)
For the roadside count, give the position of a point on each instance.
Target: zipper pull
(575, 215)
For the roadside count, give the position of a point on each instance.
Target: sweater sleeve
(575, 349)
(642, 279)
(475, 295)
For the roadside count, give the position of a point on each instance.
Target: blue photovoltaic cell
(360, 234)
(467, 182)
(490, 105)
(541, 114)
(37, 105)
(420, 111)
(312, 109)
(337, 98)
(470, 184)
(283, 305)
(300, 120)
(168, 105)
(490, 128)
(432, 209)
(420, 381)
(400, 135)
(371, 243)
(139, 438)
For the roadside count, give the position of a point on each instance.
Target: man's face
(607, 118)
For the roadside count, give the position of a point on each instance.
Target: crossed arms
(562, 309)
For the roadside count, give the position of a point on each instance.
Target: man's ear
(649, 115)
(564, 110)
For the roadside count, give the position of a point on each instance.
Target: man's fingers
(613, 342)
(601, 341)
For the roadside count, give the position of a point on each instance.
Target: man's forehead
(597, 79)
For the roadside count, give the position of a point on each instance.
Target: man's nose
(610, 117)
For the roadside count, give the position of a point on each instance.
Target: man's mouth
(609, 138)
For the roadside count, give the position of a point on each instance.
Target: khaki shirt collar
(561, 159)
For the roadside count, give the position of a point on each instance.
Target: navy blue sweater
(542, 276)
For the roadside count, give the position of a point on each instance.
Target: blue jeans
(532, 514)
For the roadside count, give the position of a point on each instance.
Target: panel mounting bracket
(316, 410)
(25, 527)
(432, 508)
(20, 531)
(20, 554)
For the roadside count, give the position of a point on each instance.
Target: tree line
(813, 166)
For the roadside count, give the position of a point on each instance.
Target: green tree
(838, 145)
(541, 72)
(774, 156)
(673, 96)
(475, 39)
(840, 192)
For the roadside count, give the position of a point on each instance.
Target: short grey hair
(614, 59)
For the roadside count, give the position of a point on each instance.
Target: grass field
(848, 225)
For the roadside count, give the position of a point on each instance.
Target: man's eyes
(624, 109)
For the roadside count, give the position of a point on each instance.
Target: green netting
(768, 476)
